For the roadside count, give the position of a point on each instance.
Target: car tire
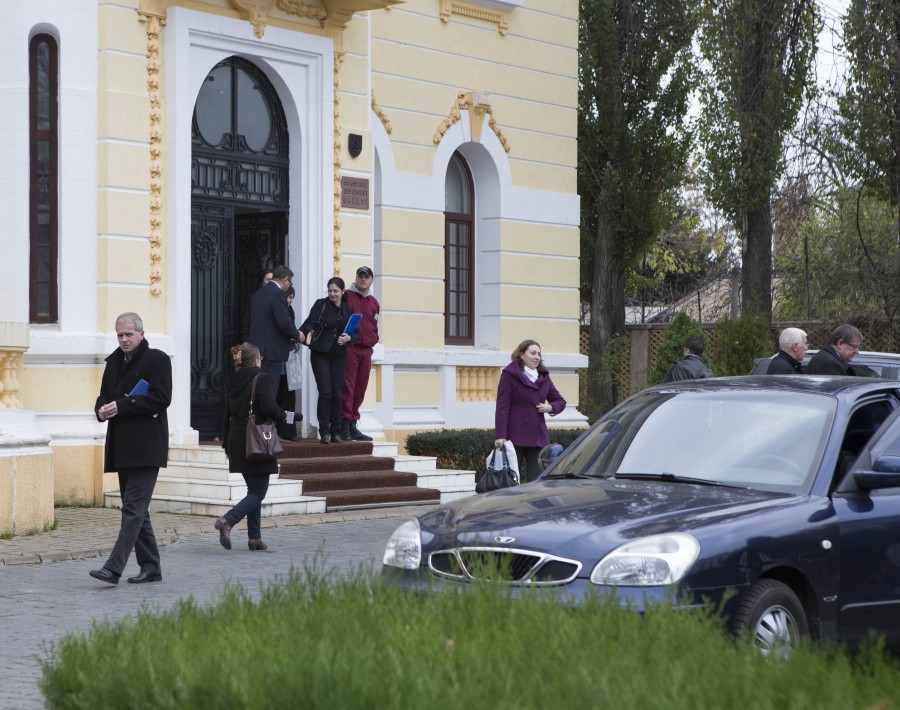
(772, 617)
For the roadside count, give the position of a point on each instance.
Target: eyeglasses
(852, 346)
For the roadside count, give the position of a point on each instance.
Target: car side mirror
(885, 473)
(548, 455)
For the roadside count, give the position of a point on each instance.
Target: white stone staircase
(197, 481)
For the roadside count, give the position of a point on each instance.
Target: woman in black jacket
(324, 331)
(238, 389)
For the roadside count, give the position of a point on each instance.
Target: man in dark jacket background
(834, 357)
(692, 366)
(134, 394)
(789, 358)
(273, 330)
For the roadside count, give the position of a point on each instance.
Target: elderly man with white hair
(792, 348)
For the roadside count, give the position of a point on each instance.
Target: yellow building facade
(175, 148)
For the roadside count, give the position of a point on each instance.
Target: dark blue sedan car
(778, 498)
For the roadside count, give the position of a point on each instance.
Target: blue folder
(350, 328)
(142, 387)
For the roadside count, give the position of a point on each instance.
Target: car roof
(863, 357)
(815, 384)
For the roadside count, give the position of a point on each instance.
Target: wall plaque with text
(355, 193)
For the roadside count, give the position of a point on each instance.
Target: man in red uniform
(359, 355)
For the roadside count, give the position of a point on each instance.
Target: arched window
(43, 66)
(459, 254)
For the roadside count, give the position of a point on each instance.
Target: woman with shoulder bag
(324, 331)
(256, 474)
(525, 394)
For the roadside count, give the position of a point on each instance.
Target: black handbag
(495, 477)
(314, 340)
(262, 442)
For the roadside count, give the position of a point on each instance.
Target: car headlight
(404, 547)
(649, 561)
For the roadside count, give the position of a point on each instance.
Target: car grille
(503, 565)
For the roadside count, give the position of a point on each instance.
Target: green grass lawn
(317, 641)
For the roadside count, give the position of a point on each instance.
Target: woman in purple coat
(524, 396)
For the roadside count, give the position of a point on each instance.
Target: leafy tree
(838, 260)
(691, 249)
(635, 67)
(868, 150)
(758, 59)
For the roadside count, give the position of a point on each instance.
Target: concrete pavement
(46, 592)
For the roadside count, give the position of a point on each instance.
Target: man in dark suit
(134, 394)
(273, 330)
(835, 356)
(691, 367)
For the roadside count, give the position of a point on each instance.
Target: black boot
(356, 434)
(345, 429)
(325, 437)
(336, 436)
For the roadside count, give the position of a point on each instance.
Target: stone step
(300, 505)
(313, 483)
(313, 477)
(376, 497)
(232, 488)
(334, 464)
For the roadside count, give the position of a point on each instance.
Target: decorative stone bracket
(478, 105)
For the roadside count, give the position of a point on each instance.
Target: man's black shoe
(104, 575)
(146, 576)
(356, 434)
(325, 437)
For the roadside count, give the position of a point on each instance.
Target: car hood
(590, 517)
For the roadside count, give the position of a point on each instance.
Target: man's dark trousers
(273, 369)
(136, 486)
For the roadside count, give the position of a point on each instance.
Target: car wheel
(773, 618)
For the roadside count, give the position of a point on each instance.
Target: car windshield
(757, 439)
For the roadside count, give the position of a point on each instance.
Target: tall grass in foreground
(318, 641)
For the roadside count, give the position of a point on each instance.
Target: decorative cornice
(155, 22)
(478, 105)
(479, 12)
(382, 116)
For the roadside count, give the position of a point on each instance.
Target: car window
(862, 425)
(733, 437)
(885, 441)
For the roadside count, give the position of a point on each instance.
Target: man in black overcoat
(135, 392)
(791, 349)
(272, 329)
(692, 366)
(835, 356)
